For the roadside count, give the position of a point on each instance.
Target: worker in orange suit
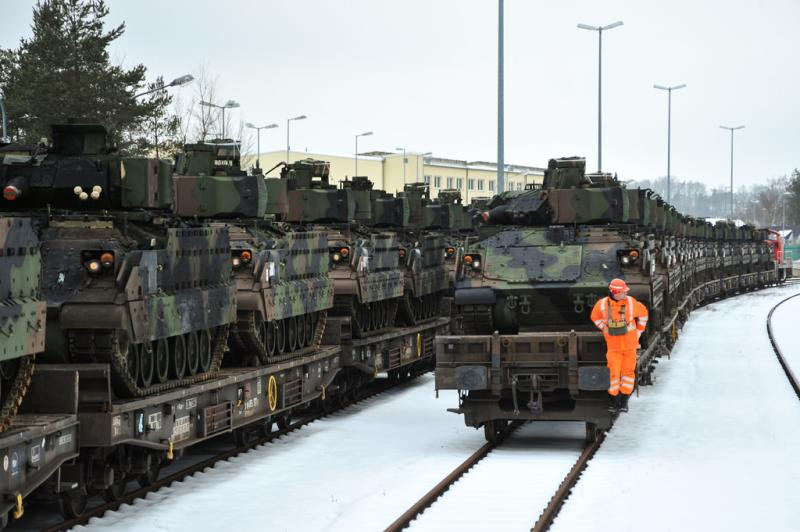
(622, 320)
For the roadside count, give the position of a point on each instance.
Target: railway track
(787, 369)
(375, 388)
(439, 489)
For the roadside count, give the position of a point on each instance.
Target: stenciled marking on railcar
(116, 426)
(65, 439)
(36, 453)
(154, 421)
(191, 403)
(181, 429)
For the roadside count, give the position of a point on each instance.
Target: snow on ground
(712, 446)
(358, 469)
(786, 330)
(508, 489)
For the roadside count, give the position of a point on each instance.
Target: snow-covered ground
(358, 469)
(713, 445)
(509, 488)
(786, 330)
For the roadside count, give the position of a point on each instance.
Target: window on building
(449, 182)
(427, 180)
(459, 183)
(519, 185)
(491, 184)
(437, 181)
(471, 184)
(480, 184)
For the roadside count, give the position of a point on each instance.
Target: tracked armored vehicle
(281, 274)
(126, 282)
(364, 262)
(22, 311)
(526, 287)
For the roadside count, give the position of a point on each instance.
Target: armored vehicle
(526, 287)
(283, 292)
(22, 311)
(364, 262)
(126, 282)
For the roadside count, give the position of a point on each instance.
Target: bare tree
(197, 122)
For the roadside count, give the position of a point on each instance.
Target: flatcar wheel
(178, 360)
(493, 430)
(373, 314)
(204, 350)
(363, 316)
(283, 421)
(149, 477)
(291, 334)
(384, 314)
(192, 353)
(146, 364)
(117, 488)
(311, 328)
(280, 337)
(73, 502)
(161, 350)
(301, 331)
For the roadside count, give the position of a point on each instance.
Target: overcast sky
(422, 74)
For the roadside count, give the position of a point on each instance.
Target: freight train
(169, 304)
(524, 289)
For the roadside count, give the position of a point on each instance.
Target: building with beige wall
(389, 171)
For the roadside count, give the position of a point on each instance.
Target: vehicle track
(371, 390)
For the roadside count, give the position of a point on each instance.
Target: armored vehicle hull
(22, 312)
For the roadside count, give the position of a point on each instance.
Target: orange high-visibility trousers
(622, 371)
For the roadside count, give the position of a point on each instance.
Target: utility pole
(731, 129)
(669, 128)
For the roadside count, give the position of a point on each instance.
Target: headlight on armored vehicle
(98, 261)
(402, 253)
(628, 256)
(449, 252)
(339, 255)
(472, 262)
(241, 257)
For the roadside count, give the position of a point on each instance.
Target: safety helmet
(618, 286)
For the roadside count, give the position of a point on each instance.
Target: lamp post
(669, 126)
(177, 82)
(404, 164)
(501, 174)
(230, 104)
(258, 139)
(600, 30)
(367, 134)
(731, 129)
(301, 117)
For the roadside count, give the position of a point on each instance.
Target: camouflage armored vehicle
(421, 252)
(282, 287)
(526, 287)
(22, 311)
(364, 262)
(126, 282)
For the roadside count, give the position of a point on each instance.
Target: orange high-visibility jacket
(620, 331)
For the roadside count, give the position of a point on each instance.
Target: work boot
(623, 406)
(613, 403)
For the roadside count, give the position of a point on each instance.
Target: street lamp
(600, 30)
(755, 212)
(301, 117)
(501, 167)
(731, 129)
(177, 82)
(669, 126)
(258, 139)
(404, 164)
(230, 104)
(367, 134)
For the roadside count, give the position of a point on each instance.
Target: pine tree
(64, 71)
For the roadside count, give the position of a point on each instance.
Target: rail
(787, 369)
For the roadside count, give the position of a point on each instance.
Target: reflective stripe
(631, 326)
(627, 379)
(629, 301)
(613, 389)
